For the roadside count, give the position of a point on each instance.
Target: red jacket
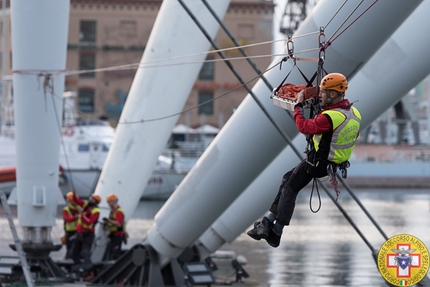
(87, 219)
(70, 216)
(118, 215)
(318, 125)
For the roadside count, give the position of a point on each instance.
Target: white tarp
(183, 129)
(207, 129)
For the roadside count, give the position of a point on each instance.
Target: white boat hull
(160, 185)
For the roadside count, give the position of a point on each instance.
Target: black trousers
(292, 183)
(81, 251)
(69, 243)
(115, 246)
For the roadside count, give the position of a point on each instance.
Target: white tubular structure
(251, 204)
(156, 92)
(39, 40)
(397, 67)
(394, 70)
(249, 142)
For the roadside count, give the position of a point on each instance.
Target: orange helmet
(69, 196)
(96, 197)
(111, 197)
(334, 81)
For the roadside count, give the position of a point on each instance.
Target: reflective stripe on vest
(91, 226)
(346, 125)
(112, 215)
(70, 226)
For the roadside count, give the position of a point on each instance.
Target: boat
(83, 151)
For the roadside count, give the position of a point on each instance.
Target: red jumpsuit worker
(88, 217)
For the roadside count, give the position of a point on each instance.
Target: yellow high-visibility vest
(89, 226)
(112, 215)
(346, 125)
(70, 226)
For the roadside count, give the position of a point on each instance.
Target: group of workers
(80, 218)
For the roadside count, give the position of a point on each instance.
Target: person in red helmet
(116, 225)
(88, 217)
(333, 133)
(70, 216)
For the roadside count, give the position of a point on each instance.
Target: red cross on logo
(392, 262)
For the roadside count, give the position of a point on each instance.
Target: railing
(391, 153)
(188, 149)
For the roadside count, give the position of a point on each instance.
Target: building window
(246, 31)
(84, 148)
(87, 32)
(128, 28)
(206, 104)
(86, 101)
(208, 70)
(87, 61)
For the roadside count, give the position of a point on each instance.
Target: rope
(333, 37)
(158, 63)
(61, 138)
(40, 73)
(349, 16)
(201, 104)
(335, 14)
(175, 114)
(315, 186)
(332, 177)
(154, 64)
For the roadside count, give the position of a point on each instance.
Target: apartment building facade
(113, 34)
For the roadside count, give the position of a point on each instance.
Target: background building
(113, 33)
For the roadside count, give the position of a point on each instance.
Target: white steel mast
(39, 40)
(156, 92)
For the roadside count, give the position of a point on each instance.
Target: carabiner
(321, 36)
(321, 44)
(344, 173)
(290, 46)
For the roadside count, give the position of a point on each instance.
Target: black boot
(261, 229)
(273, 239)
(253, 233)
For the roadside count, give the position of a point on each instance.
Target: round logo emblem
(403, 260)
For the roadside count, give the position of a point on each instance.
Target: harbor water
(317, 249)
